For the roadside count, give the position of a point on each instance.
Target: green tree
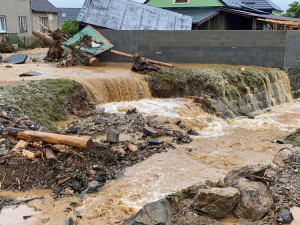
(294, 10)
(71, 26)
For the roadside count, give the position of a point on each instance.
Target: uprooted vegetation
(225, 88)
(48, 101)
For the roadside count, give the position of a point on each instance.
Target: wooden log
(20, 145)
(28, 154)
(122, 54)
(94, 62)
(44, 37)
(46, 28)
(78, 142)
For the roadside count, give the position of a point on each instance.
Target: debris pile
(85, 47)
(70, 164)
(6, 47)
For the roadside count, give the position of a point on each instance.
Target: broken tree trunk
(44, 37)
(94, 62)
(122, 54)
(78, 142)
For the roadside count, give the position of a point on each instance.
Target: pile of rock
(134, 124)
(247, 194)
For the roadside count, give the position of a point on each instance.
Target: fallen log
(94, 62)
(78, 142)
(44, 37)
(122, 54)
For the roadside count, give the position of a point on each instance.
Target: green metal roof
(192, 3)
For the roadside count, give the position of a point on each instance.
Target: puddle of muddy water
(296, 213)
(15, 215)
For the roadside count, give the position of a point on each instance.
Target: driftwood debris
(20, 145)
(78, 142)
(55, 52)
(122, 54)
(257, 178)
(44, 37)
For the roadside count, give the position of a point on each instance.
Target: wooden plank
(218, 26)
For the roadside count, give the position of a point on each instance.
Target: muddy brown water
(222, 145)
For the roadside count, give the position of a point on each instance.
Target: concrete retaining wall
(279, 49)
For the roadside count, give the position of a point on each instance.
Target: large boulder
(255, 200)
(216, 202)
(234, 175)
(155, 213)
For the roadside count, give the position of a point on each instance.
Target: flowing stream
(221, 146)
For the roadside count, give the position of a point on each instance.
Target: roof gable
(43, 6)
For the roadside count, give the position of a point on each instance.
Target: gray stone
(284, 216)
(216, 202)
(92, 187)
(112, 136)
(283, 180)
(30, 74)
(155, 213)
(150, 132)
(3, 152)
(194, 189)
(235, 174)
(36, 59)
(283, 156)
(79, 182)
(255, 201)
(100, 121)
(153, 123)
(177, 122)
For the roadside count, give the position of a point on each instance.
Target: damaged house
(19, 18)
(130, 15)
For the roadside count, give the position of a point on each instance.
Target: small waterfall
(116, 89)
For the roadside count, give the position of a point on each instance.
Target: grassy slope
(45, 102)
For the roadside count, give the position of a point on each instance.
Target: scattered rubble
(85, 47)
(69, 164)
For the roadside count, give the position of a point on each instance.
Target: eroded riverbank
(221, 144)
(237, 143)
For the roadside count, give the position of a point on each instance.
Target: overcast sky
(78, 3)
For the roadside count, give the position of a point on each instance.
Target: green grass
(43, 101)
(226, 82)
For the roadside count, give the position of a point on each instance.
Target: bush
(71, 26)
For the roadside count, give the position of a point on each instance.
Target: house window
(22, 24)
(64, 15)
(180, 1)
(44, 20)
(2, 24)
